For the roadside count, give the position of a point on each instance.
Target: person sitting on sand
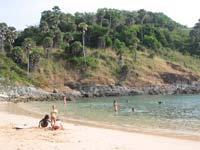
(58, 125)
(54, 113)
(45, 122)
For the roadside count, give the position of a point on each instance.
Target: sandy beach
(79, 137)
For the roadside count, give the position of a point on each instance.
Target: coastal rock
(72, 93)
(97, 90)
(27, 93)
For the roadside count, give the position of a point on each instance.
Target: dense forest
(70, 37)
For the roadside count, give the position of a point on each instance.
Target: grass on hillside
(103, 68)
(11, 73)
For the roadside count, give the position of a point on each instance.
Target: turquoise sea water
(180, 113)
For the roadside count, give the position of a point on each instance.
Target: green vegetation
(110, 46)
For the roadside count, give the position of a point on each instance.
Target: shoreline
(184, 135)
(76, 136)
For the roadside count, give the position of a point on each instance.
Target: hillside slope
(169, 67)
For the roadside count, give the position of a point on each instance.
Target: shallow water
(180, 113)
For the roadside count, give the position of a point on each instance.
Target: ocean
(163, 112)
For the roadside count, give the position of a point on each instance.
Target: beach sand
(80, 137)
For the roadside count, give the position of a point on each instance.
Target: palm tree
(3, 29)
(133, 48)
(68, 37)
(84, 27)
(120, 48)
(49, 23)
(143, 15)
(44, 27)
(28, 44)
(11, 35)
(47, 45)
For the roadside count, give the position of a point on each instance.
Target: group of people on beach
(53, 121)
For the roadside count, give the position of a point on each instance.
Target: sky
(23, 13)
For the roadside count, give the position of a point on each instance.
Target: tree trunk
(28, 63)
(28, 67)
(10, 48)
(135, 53)
(83, 41)
(121, 61)
(1, 45)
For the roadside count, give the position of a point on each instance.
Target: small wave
(129, 110)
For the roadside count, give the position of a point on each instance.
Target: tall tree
(57, 40)
(195, 39)
(100, 15)
(68, 37)
(133, 48)
(50, 21)
(76, 49)
(83, 27)
(90, 18)
(79, 17)
(95, 35)
(126, 34)
(47, 45)
(17, 55)
(44, 27)
(11, 35)
(3, 29)
(34, 60)
(120, 49)
(28, 44)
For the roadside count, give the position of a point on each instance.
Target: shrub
(152, 55)
(151, 42)
(17, 55)
(76, 49)
(140, 47)
(34, 60)
(123, 73)
(81, 61)
(108, 41)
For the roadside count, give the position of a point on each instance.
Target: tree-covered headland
(133, 48)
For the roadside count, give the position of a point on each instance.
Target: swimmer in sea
(133, 109)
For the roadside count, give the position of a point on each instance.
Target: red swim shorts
(55, 127)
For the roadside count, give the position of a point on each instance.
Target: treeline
(107, 28)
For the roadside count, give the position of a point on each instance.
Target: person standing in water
(65, 100)
(115, 105)
(54, 113)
